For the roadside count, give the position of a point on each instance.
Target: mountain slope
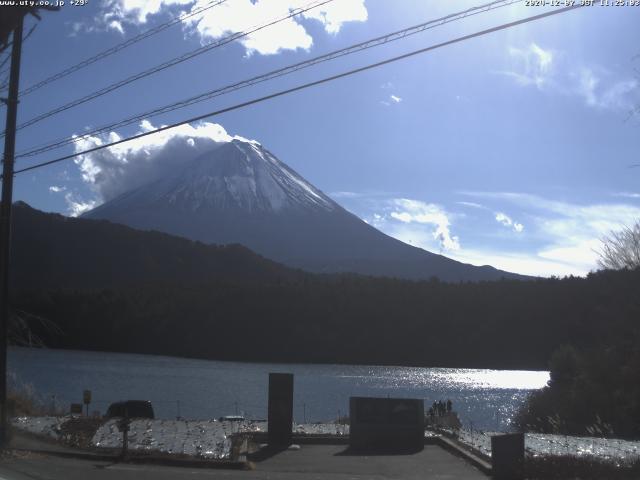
(241, 193)
(53, 251)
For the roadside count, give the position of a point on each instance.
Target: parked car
(131, 409)
(231, 418)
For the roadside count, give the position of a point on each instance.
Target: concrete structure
(280, 415)
(507, 456)
(386, 423)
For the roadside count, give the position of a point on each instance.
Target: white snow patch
(286, 182)
(47, 426)
(199, 438)
(538, 444)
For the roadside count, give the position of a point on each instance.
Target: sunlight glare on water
(502, 379)
(454, 378)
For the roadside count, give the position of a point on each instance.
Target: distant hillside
(50, 250)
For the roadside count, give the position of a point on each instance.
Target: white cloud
(333, 15)
(110, 19)
(242, 15)
(587, 84)
(627, 194)
(57, 189)
(140, 10)
(568, 234)
(471, 204)
(117, 26)
(597, 218)
(550, 71)
(562, 238)
(118, 169)
(344, 195)
(77, 207)
(616, 96)
(543, 58)
(392, 100)
(415, 211)
(75, 28)
(524, 263)
(531, 65)
(581, 253)
(505, 220)
(527, 262)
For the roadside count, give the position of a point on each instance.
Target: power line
(374, 42)
(308, 85)
(119, 47)
(5, 72)
(168, 64)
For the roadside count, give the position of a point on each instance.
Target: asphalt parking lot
(316, 462)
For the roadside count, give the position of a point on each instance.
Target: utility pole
(5, 222)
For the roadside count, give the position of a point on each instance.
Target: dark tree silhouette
(621, 249)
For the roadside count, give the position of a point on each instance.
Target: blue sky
(512, 149)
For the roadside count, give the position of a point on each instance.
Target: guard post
(124, 425)
(280, 415)
(507, 456)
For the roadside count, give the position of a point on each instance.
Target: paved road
(311, 462)
(27, 441)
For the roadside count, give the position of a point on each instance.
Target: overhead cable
(307, 85)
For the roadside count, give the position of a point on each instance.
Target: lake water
(201, 389)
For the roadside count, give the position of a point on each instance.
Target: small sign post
(76, 409)
(124, 426)
(86, 399)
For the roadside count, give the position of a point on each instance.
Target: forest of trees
(508, 324)
(593, 391)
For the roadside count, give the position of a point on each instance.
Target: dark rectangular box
(386, 423)
(507, 456)
(280, 416)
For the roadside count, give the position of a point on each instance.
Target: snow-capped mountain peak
(241, 175)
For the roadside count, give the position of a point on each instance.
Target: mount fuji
(241, 193)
